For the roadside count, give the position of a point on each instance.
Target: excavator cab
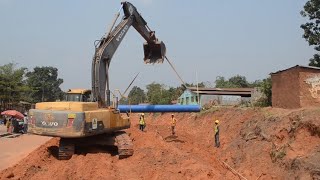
(154, 53)
(78, 95)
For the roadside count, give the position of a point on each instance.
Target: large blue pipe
(159, 108)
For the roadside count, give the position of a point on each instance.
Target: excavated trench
(255, 143)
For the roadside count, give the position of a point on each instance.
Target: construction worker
(142, 122)
(173, 124)
(216, 133)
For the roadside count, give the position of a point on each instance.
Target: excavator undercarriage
(119, 139)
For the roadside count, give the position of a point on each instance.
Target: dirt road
(12, 150)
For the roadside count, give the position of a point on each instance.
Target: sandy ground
(13, 150)
(258, 143)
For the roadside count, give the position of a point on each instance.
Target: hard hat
(172, 114)
(142, 114)
(217, 121)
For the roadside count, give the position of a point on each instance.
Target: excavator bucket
(154, 53)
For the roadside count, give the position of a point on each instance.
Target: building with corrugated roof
(215, 96)
(296, 87)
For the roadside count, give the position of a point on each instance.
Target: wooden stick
(232, 170)
(259, 176)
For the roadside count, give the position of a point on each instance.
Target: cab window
(73, 97)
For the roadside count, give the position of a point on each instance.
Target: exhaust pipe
(154, 53)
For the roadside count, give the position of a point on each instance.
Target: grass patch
(278, 153)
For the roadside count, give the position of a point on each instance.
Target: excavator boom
(154, 51)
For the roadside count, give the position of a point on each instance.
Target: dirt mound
(257, 143)
(271, 143)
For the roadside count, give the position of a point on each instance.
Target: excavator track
(66, 149)
(124, 144)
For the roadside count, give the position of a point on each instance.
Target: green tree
(221, 82)
(312, 28)
(266, 87)
(136, 95)
(256, 83)
(45, 84)
(12, 84)
(233, 82)
(175, 93)
(166, 96)
(159, 94)
(154, 93)
(239, 81)
(201, 84)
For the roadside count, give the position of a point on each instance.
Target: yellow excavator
(86, 117)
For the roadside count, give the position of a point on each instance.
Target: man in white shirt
(25, 122)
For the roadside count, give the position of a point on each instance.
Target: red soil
(257, 143)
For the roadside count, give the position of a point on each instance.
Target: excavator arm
(154, 51)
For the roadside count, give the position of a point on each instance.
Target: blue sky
(214, 38)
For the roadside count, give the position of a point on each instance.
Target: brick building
(296, 87)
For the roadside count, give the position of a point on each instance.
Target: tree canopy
(266, 88)
(312, 28)
(136, 95)
(156, 93)
(233, 82)
(12, 84)
(45, 84)
(201, 84)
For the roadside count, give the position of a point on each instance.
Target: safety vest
(141, 122)
(216, 129)
(173, 121)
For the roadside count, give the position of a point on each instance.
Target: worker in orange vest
(173, 124)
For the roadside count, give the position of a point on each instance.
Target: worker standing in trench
(216, 133)
(173, 124)
(142, 122)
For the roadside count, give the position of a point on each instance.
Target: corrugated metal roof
(222, 89)
(296, 66)
(235, 93)
(244, 92)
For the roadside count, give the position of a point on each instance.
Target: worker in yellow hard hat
(173, 124)
(142, 122)
(216, 133)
